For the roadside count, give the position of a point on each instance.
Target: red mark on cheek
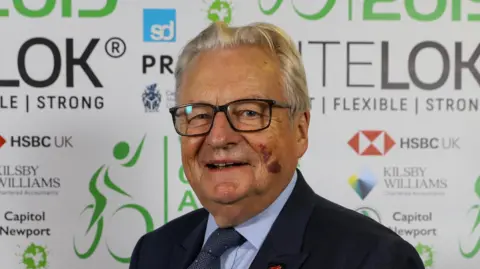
(274, 167)
(265, 153)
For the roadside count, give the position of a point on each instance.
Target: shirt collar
(256, 229)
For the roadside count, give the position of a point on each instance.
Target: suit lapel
(282, 247)
(185, 252)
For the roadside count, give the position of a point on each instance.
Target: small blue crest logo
(151, 98)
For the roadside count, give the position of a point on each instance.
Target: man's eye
(249, 113)
(200, 117)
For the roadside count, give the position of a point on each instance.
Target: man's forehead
(224, 75)
(234, 77)
(221, 100)
(232, 57)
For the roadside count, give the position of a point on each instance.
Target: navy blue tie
(219, 241)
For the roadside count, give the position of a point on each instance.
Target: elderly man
(243, 117)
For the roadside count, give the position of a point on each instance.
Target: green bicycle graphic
(475, 208)
(120, 152)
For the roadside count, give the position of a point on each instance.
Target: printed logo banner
(90, 161)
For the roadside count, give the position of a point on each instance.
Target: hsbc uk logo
(35, 141)
(2, 141)
(371, 143)
(380, 143)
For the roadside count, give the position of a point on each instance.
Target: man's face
(266, 159)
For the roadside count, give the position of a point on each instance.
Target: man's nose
(222, 135)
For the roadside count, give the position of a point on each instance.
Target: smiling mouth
(220, 166)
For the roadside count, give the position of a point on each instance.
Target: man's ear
(302, 125)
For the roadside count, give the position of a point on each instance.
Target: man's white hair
(219, 35)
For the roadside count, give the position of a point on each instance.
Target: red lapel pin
(275, 267)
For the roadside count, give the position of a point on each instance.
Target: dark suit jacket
(310, 233)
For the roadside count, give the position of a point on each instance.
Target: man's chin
(227, 198)
(228, 211)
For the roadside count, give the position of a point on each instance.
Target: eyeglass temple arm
(283, 105)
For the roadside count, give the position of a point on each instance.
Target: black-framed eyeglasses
(244, 115)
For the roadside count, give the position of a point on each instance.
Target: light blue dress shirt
(254, 230)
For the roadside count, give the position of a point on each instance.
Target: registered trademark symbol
(115, 47)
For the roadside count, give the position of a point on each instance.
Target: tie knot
(221, 240)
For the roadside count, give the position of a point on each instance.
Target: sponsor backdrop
(89, 160)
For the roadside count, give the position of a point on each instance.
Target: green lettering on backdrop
(181, 175)
(315, 16)
(456, 13)
(440, 9)
(105, 11)
(42, 12)
(433, 16)
(49, 6)
(370, 15)
(188, 199)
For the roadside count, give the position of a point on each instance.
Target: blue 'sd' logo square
(159, 25)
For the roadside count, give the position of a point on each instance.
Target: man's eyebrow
(190, 101)
(249, 96)
(254, 96)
